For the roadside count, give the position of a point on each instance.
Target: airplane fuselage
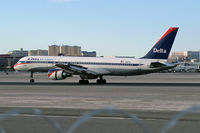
(99, 65)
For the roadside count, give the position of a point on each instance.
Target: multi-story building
(65, 50)
(38, 52)
(77, 51)
(193, 55)
(54, 50)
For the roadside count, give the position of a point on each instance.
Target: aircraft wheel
(83, 82)
(101, 81)
(32, 81)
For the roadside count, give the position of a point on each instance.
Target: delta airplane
(61, 67)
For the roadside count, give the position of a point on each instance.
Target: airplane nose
(15, 66)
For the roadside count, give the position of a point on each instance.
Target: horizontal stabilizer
(162, 66)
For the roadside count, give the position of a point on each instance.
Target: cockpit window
(20, 62)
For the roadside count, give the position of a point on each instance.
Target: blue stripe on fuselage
(82, 63)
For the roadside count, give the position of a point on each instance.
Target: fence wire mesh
(90, 115)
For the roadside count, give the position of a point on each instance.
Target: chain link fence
(143, 128)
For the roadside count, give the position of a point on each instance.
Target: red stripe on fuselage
(21, 64)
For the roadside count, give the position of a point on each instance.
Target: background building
(18, 53)
(177, 57)
(89, 54)
(4, 60)
(77, 51)
(53, 50)
(64, 50)
(193, 55)
(38, 52)
(7, 61)
(186, 56)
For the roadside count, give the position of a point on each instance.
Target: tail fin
(163, 47)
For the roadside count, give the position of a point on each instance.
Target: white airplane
(61, 67)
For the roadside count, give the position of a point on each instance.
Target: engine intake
(58, 74)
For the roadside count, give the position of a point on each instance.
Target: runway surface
(160, 91)
(155, 98)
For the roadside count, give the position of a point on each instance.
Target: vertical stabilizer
(163, 47)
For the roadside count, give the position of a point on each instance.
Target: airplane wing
(77, 69)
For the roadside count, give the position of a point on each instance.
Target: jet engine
(58, 74)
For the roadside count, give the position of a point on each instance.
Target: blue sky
(110, 27)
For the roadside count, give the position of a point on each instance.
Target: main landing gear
(101, 80)
(83, 81)
(32, 80)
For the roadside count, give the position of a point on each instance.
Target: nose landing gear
(32, 80)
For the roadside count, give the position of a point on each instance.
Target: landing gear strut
(32, 80)
(101, 80)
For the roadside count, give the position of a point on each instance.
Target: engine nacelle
(58, 74)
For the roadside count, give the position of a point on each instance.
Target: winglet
(163, 47)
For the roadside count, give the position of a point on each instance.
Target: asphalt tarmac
(153, 98)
